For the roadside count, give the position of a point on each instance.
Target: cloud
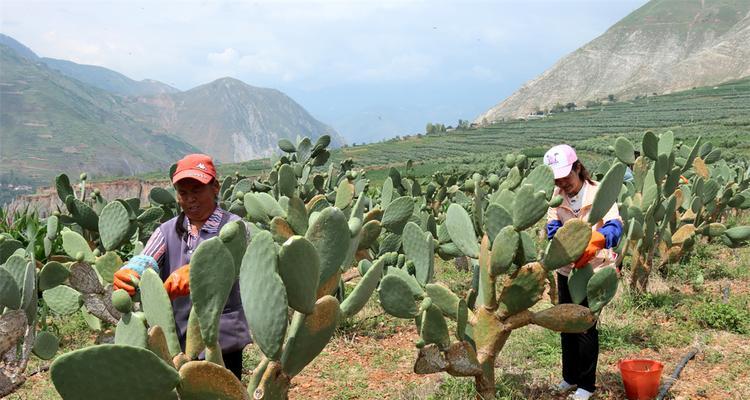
(228, 56)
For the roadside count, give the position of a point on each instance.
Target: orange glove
(123, 280)
(684, 180)
(596, 243)
(178, 282)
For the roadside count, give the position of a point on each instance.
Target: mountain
(50, 123)
(232, 120)
(662, 47)
(100, 77)
(106, 79)
(58, 116)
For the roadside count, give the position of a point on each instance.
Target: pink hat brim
(196, 174)
(562, 172)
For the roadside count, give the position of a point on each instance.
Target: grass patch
(732, 316)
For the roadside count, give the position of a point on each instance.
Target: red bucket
(641, 378)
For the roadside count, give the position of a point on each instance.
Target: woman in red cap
(580, 351)
(173, 243)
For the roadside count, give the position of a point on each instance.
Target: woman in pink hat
(573, 182)
(172, 244)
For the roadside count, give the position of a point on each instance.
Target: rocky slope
(664, 46)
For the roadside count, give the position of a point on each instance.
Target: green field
(720, 114)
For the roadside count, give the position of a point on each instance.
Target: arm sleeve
(611, 230)
(156, 246)
(552, 227)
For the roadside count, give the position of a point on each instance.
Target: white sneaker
(564, 386)
(581, 394)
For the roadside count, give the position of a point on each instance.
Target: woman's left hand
(596, 243)
(178, 282)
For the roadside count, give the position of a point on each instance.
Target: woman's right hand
(123, 279)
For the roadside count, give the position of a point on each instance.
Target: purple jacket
(233, 331)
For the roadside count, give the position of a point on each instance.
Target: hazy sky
(370, 69)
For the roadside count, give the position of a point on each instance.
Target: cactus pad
(309, 334)
(73, 243)
(211, 279)
(114, 225)
(46, 345)
(397, 214)
(299, 268)
(524, 289)
(88, 374)
(496, 217)
(357, 299)
(567, 318)
(419, 248)
(609, 190)
(264, 295)
(567, 245)
(578, 281)
(504, 249)
(62, 299)
(158, 308)
(624, 151)
(443, 298)
(461, 230)
(10, 294)
(396, 297)
(434, 329)
(529, 206)
(601, 288)
(201, 380)
(132, 330)
(84, 279)
(329, 233)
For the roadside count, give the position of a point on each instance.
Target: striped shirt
(157, 244)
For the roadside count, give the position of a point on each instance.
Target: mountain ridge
(662, 47)
(95, 119)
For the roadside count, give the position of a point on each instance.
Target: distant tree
(557, 108)
(430, 128)
(570, 106)
(611, 98)
(593, 103)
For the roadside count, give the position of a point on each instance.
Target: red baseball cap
(195, 166)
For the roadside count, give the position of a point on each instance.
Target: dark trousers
(580, 351)
(233, 362)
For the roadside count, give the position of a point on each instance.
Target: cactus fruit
(121, 301)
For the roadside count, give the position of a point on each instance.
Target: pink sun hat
(560, 158)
